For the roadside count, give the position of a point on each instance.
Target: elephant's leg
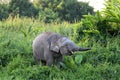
(49, 58)
(49, 61)
(36, 58)
(37, 61)
(59, 60)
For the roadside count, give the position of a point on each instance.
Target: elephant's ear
(53, 45)
(63, 50)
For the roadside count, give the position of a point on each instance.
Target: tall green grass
(16, 56)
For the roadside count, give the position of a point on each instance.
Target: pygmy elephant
(49, 47)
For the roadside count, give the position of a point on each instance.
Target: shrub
(4, 13)
(16, 56)
(105, 22)
(23, 8)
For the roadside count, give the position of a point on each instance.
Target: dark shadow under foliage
(4, 11)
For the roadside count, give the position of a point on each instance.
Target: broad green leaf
(78, 59)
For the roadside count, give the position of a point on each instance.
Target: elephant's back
(42, 37)
(41, 40)
(38, 41)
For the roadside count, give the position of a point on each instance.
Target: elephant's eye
(67, 45)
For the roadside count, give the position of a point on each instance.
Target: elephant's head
(65, 46)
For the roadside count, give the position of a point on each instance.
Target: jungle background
(21, 21)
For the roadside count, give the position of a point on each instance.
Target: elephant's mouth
(71, 52)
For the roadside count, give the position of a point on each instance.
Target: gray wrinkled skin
(49, 46)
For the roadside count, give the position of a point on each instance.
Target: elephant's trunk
(84, 49)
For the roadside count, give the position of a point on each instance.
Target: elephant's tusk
(72, 52)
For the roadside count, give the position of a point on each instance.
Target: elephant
(49, 47)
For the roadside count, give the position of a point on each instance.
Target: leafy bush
(112, 16)
(48, 15)
(22, 7)
(4, 13)
(105, 22)
(16, 56)
(61, 10)
(74, 11)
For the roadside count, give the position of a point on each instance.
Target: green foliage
(74, 11)
(69, 62)
(4, 11)
(102, 62)
(112, 16)
(46, 10)
(22, 7)
(112, 11)
(90, 23)
(48, 15)
(16, 56)
(78, 59)
(105, 22)
(62, 10)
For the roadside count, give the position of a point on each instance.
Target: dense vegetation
(46, 10)
(101, 32)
